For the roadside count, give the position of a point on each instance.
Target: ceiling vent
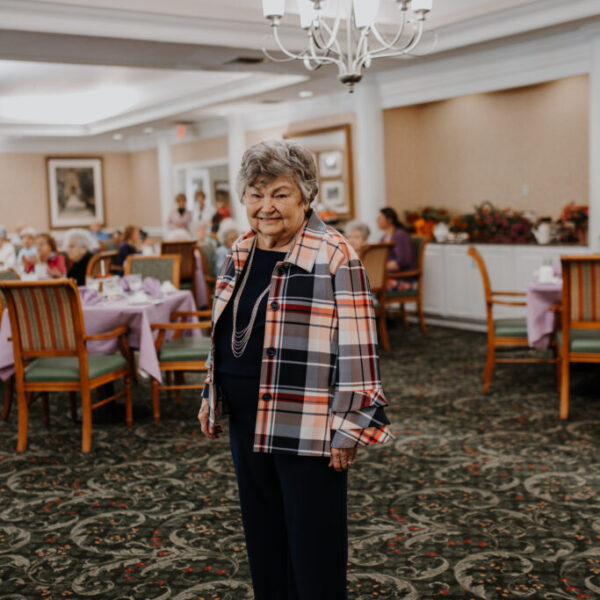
(246, 60)
(271, 101)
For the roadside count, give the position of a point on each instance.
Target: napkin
(124, 283)
(167, 287)
(139, 298)
(152, 287)
(89, 296)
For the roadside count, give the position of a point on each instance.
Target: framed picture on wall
(75, 192)
(333, 197)
(331, 163)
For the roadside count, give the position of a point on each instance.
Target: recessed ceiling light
(148, 129)
(117, 136)
(305, 94)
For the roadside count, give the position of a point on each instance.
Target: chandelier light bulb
(307, 13)
(421, 6)
(273, 8)
(365, 12)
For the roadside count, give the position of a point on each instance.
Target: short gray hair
(226, 226)
(83, 238)
(362, 227)
(275, 158)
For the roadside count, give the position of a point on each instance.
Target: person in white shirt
(28, 248)
(7, 251)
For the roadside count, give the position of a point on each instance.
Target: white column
(165, 177)
(369, 168)
(594, 223)
(236, 149)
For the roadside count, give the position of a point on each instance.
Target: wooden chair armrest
(403, 274)
(107, 336)
(556, 307)
(508, 303)
(509, 294)
(181, 326)
(180, 314)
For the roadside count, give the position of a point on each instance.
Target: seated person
(28, 248)
(7, 251)
(401, 255)
(223, 212)
(80, 245)
(96, 230)
(227, 235)
(129, 245)
(357, 234)
(47, 254)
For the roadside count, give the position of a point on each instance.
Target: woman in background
(180, 217)
(47, 253)
(80, 246)
(357, 234)
(7, 250)
(227, 235)
(401, 255)
(28, 249)
(131, 239)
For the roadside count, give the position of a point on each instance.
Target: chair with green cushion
(7, 275)
(180, 354)
(579, 337)
(415, 275)
(49, 346)
(502, 334)
(163, 268)
(187, 269)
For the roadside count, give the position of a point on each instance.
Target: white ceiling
(95, 67)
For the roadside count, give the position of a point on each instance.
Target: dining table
(105, 315)
(541, 319)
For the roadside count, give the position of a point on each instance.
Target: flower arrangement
(573, 223)
(494, 225)
(423, 221)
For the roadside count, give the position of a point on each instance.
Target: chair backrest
(207, 254)
(45, 318)
(581, 291)
(487, 288)
(418, 246)
(163, 268)
(374, 258)
(94, 268)
(186, 252)
(109, 245)
(6, 275)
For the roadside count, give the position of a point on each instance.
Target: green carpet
(486, 497)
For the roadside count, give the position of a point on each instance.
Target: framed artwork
(332, 196)
(75, 192)
(331, 163)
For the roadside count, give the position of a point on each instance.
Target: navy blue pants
(293, 511)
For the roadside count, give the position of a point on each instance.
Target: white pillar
(368, 145)
(594, 222)
(165, 177)
(236, 149)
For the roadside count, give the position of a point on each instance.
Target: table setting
(544, 292)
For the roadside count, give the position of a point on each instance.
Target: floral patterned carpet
(478, 498)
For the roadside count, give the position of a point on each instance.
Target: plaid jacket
(319, 382)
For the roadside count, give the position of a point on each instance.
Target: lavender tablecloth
(101, 318)
(540, 320)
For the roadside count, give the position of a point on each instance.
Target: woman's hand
(55, 272)
(342, 458)
(210, 431)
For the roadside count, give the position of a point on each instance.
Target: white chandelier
(361, 41)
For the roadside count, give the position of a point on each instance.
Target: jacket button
(275, 305)
(267, 396)
(270, 352)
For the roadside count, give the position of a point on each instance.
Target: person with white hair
(357, 233)
(7, 250)
(226, 236)
(177, 235)
(28, 250)
(80, 245)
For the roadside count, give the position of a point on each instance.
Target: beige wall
(209, 149)
(131, 189)
(457, 153)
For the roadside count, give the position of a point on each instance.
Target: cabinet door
(434, 284)
(464, 289)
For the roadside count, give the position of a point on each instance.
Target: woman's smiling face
(275, 207)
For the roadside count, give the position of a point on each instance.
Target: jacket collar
(303, 253)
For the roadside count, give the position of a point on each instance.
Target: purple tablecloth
(540, 320)
(101, 318)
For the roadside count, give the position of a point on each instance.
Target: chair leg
(73, 403)
(128, 404)
(383, 334)
(155, 401)
(422, 318)
(8, 394)
(488, 370)
(23, 408)
(86, 420)
(45, 409)
(404, 319)
(132, 369)
(178, 381)
(169, 378)
(564, 388)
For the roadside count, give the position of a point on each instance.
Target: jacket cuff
(351, 438)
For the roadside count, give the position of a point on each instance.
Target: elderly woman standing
(80, 245)
(294, 359)
(180, 217)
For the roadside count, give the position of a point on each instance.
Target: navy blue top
(249, 364)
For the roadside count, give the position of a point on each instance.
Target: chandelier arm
(362, 49)
(381, 38)
(282, 48)
(407, 49)
(333, 43)
(322, 59)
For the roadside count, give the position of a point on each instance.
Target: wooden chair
(7, 275)
(374, 258)
(415, 295)
(109, 245)
(49, 345)
(187, 269)
(163, 268)
(579, 336)
(207, 256)
(180, 354)
(501, 333)
(99, 263)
